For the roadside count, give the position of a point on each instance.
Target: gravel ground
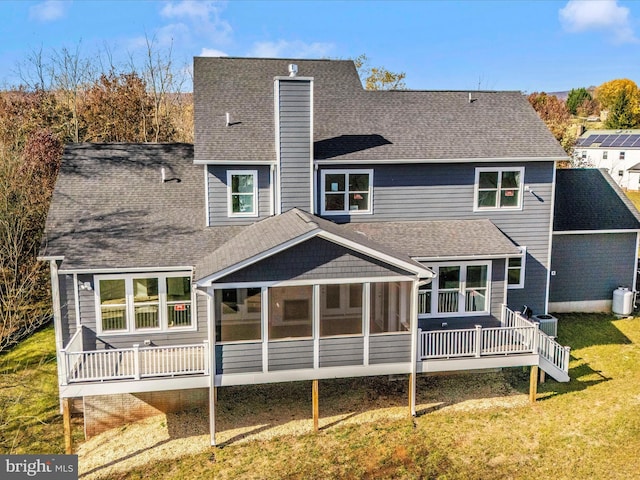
(267, 411)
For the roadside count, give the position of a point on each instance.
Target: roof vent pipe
(293, 69)
(470, 97)
(163, 175)
(228, 119)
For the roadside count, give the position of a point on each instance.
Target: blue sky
(458, 45)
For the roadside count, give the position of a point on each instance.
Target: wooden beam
(66, 421)
(543, 376)
(533, 384)
(316, 408)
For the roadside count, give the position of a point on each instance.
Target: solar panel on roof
(608, 140)
(599, 138)
(629, 141)
(585, 142)
(636, 143)
(619, 141)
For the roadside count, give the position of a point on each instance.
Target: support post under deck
(533, 384)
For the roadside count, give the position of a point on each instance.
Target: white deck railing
(134, 363)
(516, 335)
(546, 346)
(476, 342)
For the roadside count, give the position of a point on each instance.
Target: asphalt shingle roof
(440, 238)
(110, 208)
(351, 123)
(589, 199)
(273, 232)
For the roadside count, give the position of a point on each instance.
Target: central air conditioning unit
(548, 324)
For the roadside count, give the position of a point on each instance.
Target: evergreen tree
(576, 97)
(621, 113)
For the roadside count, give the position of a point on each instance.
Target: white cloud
(48, 11)
(287, 49)
(212, 52)
(599, 15)
(202, 19)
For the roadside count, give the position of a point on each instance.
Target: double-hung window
(515, 270)
(141, 303)
(346, 192)
(242, 193)
(498, 188)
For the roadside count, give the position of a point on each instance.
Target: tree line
(66, 97)
(616, 103)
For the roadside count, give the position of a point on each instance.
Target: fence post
(478, 340)
(136, 361)
(206, 357)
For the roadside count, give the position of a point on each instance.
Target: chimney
(294, 137)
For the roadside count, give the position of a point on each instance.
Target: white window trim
(346, 211)
(499, 170)
(522, 271)
(462, 288)
(129, 304)
(230, 212)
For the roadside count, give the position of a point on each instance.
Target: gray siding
(336, 352)
(290, 355)
(390, 348)
(295, 144)
(497, 287)
(218, 200)
(238, 358)
(92, 341)
(591, 266)
(446, 191)
(314, 259)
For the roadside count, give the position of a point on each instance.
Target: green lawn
(588, 428)
(635, 198)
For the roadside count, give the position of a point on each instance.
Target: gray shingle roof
(440, 238)
(353, 124)
(589, 199)
(111, 210)
(274, 232)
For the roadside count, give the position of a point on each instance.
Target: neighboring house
(314, 230)
(595, 236)
(617, 151)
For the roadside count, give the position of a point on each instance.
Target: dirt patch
(263, 412)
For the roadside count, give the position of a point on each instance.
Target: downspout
(57, 319)
(553, 213)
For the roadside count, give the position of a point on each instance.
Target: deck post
(136, 361)
(478, 341)
(542, 376)
(533, 384)
(315, 405)
(66, 421)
